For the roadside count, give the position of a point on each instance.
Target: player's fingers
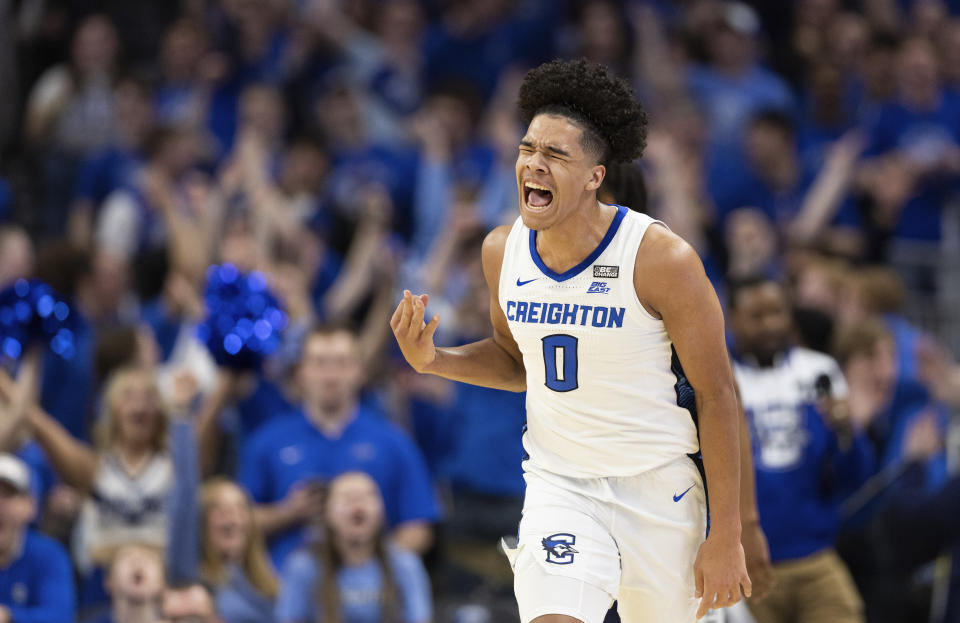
(416, 323)
(722, 600)
(395, 318)
(698, 580)
(431, 328)
(706, 602)
(425, 298)
(732, 597)
(747, 585)
(405, 314)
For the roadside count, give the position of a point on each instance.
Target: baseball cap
(15, 472)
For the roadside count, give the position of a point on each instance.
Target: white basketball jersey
(604, 386)
(124, 509)
(775, 398)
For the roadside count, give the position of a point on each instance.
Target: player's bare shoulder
(666, 265)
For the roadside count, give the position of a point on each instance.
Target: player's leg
(542, 596)
(659, 525)
(565, 562)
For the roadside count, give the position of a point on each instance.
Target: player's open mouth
(537, 196)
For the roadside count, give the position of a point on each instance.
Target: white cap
(14, 471)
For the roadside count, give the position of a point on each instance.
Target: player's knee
(556, 618)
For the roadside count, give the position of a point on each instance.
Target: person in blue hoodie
(36, 581)
(808, 457)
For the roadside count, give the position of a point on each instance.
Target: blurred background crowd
(349, 149)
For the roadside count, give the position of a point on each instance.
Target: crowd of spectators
(809, 150)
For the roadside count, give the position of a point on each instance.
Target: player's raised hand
(720, 570)
(415, 336)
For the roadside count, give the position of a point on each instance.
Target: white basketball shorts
(584, 543)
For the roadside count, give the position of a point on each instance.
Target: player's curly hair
(614, 121)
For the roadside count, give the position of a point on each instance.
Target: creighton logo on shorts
(558, 548)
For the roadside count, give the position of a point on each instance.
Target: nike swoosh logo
(523, 283)
(676, 498)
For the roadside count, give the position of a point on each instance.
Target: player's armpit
(492, 257)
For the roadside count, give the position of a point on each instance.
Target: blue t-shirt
(393, 167)
(729, 102)
(239, 602)
(265, 402)
(360, 588)
(38, 586)
(479, 57)
(799, 505)
(290, 451)
(733, 184)
(921, 136)
(487, 426)
(105, 171)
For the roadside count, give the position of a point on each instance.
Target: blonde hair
(255, 562)
(107, 428)
(859, 339)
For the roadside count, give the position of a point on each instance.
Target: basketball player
(609, 323)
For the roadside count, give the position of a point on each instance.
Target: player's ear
(597, 174)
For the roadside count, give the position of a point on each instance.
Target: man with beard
(808, 457)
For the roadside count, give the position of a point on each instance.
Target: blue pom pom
(232, 344)
(244, 319)
(32, 313)
(12, 348)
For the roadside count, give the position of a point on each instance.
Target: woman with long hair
(213, 536)
(124, 479)
(351, 574)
